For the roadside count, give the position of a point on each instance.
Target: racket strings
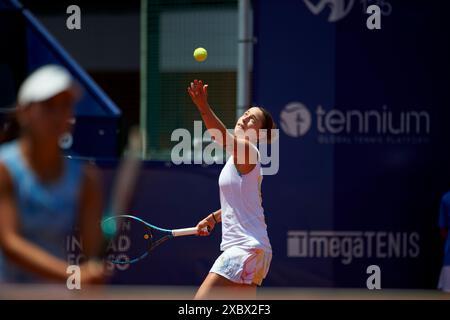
(158, 242)
(131, 239)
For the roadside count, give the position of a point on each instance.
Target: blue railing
(64, 58)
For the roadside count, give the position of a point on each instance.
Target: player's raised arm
(244, 154)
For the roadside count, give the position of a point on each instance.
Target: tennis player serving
(247, 252)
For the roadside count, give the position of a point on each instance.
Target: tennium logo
(348, 245)
(358, 126)
(295, 119)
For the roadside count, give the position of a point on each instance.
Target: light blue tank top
(46, 211)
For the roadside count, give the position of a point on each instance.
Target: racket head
(131, 239)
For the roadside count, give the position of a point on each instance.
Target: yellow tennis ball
(200, 54)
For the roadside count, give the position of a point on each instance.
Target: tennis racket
(133, 238)
(123, 188)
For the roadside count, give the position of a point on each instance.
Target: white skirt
(244, 266)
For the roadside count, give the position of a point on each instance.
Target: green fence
(170, 32)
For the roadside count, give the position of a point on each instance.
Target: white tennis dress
(247, 252)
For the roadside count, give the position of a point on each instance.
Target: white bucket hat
(45, 83)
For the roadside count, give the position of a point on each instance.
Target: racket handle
(185, 232)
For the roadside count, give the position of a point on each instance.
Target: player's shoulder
(250, 154)
(90, 173)
(79, 166)
(81, 171)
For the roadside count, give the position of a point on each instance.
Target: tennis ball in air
(200, 54)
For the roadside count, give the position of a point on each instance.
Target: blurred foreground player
(43, 196)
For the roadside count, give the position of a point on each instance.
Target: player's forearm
(34, 259)
(217, 216)
(215, 126)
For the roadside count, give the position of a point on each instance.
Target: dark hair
(268, 122)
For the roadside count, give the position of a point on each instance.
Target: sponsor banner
(362, 125)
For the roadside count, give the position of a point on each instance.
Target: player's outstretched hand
(198, 93)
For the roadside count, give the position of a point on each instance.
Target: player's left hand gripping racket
(132, 238)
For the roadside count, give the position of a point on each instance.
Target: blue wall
(358, 179)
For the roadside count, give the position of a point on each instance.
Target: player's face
(250, 122)
(50, 119)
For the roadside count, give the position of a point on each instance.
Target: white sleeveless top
(243, 222)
